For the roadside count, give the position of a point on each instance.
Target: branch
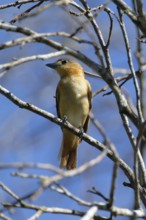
(2, 216)
(104, 73)
(108, 75)
(26, 13)
(67, 125)
(90, 213)
(96, 123)
(139, 21)
(130, 62)
(62, 190)
(58, 46)
(101, 206)
(47, 181)
(141, 120)
(32, 38)
(36, 215)
(17, 3)
(87, 138)
(8, 66)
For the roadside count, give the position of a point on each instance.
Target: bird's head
(66, 67)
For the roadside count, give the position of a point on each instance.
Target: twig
(96, 192)
(138, 20)
(45, 209)
(139, 144)
(47, 181)
(113, 186)
(51, 117)
(12, 194)
(23, 204)
(17, 3)
(142, 41)
(136, 168)
(123, 105)
(101, 206)
(141, 78)
(84, 25)
(62, 190)
(31, 166)
(140, 8)
(47, 115)
(90, 213)
(36, 215)
(30, 196)
(58, 46)
(32, 38)
(100, 129)
(111, 28)
(115, 210)
(128, 50)
(25, 14)
(2, 216)
(8, 66)
(108, 75)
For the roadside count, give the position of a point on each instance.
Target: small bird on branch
(73, 102)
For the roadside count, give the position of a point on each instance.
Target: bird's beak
(52, 65)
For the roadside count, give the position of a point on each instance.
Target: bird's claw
(64, 119)
(81, 132)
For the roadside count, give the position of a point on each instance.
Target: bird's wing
(89, 94)
(57, 101)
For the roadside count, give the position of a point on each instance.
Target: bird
(73, 102)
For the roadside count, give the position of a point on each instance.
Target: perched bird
(73, 101)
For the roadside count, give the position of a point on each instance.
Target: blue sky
(27, 137)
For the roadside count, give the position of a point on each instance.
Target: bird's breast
(73, 100)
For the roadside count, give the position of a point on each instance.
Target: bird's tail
(68, 152)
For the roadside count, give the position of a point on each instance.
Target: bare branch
(136, 150)
(128, 50)
(32, 38)
(62, 190)
(84, 26)
(36, 215)
(58, 121)
(17, 3)
(2, 216)
(7, 66)
(90, 213)
(140, 22)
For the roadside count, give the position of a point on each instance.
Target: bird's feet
(64, 119)
(81, 132)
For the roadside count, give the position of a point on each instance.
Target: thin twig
(111, 28)
(90, 213)
(106, 140)
(136, 168)
(36, 215)
(7, 66)
(17, 3)
(25, 14)
(96, 192)
(47, 181)
(128, 50)
(101, 206)
(62, 190)
(4, 217)
(123, 105)
(32, 38)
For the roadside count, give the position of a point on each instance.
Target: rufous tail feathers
(68, 153)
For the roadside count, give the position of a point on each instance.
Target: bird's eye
(64, 62)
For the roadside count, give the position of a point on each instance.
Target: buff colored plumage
(73, 100)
